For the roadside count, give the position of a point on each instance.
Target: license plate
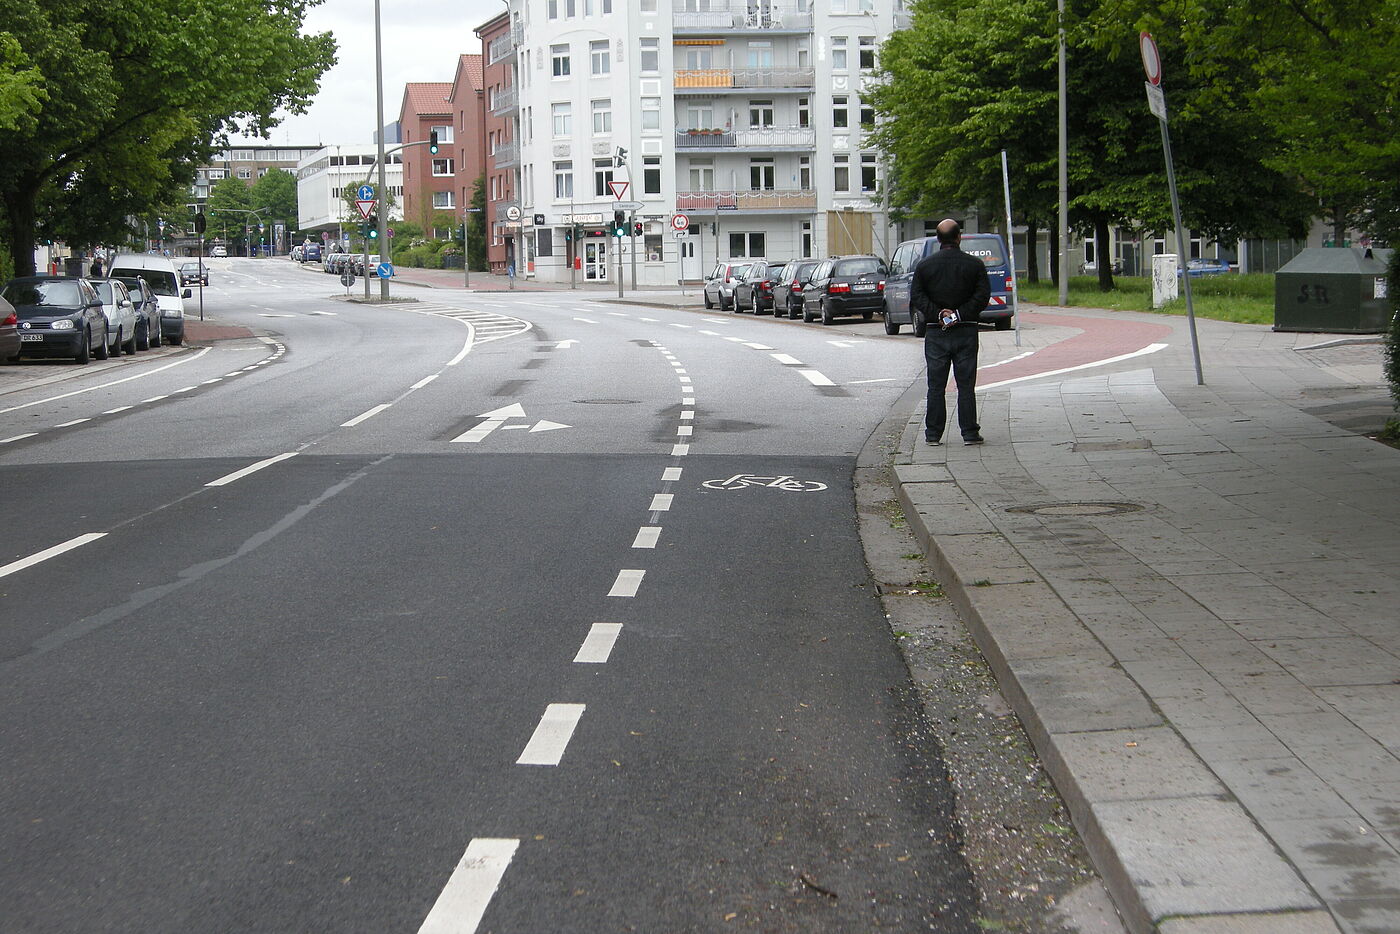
(31, 337)
(864, 287)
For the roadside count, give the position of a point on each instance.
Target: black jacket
(950, 278)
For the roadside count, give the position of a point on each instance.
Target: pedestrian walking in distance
(950, 289)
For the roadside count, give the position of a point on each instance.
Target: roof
(422, 98)
(470, 68)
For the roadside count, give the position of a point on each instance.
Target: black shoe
(973, 439)
(930, 439)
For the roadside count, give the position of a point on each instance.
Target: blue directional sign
(385, 270)
(365, 193)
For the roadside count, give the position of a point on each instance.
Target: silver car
(120, 312)
(719, 284)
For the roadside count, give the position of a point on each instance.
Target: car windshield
(805, 270)
(737, 271)
(132, 285)
(160, 281)
(190, 268)
(60, 292)
(988, 251)
(858, 267)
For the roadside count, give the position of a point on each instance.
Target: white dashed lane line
(598, 644)
(647, 536)
(552, 735)
(628, 582)
(250, 469)
(462, 903)
(48, 553)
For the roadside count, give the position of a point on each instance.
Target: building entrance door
(595, 260)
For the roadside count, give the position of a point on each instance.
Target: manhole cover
(607, 401)
(1076, 509)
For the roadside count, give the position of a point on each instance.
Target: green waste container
(1335, 290)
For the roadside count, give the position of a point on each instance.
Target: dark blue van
(311, 253)
(989, 248)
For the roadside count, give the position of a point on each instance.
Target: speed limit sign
(679, 222)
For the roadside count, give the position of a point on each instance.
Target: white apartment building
(323, 176)
(746, 116)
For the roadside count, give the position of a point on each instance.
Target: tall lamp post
(379, 138)
(1063, 228)
(466, 235)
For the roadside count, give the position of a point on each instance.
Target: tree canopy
(277, 193)
(109, 105)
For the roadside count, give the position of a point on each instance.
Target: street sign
(618, 189)
(1151, 59)
(347, 278)
(513, 213)
(596, 218)
(1156, 101)
(679, 222)
(325, 236)
(629, 205)
(681, 234)
(385, 270)
(539, 219)
(365, 206)
(390, 231)
(365, 192)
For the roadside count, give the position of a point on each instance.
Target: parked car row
(337, 263)
(306, 253)
(846, 286)
(137, 306)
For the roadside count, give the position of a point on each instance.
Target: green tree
(21, 85)
(277, 193)
(225, 209)
(137, 91)
(476, 225)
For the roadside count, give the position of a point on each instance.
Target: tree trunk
(1339, 227)
(1103, 256)
(1055, 255)
(19, 208)
(1032, 254)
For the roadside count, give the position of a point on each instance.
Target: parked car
(754, 290)
(719, 284)
(191, 273)
(9, 331)
(147, 310)
(218, 252)
(310, 253)
(1092, 268)
(122, 319)
(59, 316)
(1196, 268)
(842, 286)
(159, 273)
(334, 262)
(788, 286)
(989, 248)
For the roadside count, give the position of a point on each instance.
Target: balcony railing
(745, 78)
(759, 137)
(725, 17)
(505, 101)
(770, 199)
(506, 154)
(500, 48)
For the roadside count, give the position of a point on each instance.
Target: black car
(194, 273)
(147, 310)
(788, 286)
(9, 331)
(842, 286)
(59, 316)
(754, 290)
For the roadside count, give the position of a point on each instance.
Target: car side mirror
(126, 303)
(188, 293)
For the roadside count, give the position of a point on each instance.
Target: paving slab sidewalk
(1191, 596)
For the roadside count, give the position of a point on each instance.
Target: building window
(602, 174)
(804, 111)
(868, 175)
(648, 6)
(760, 114)
(804, 173)
(841, 178)
(838, 53)
(444, 200)
(495, 188)
(570, 9)
(651, 175)
(563, 180)
(559, 60)
(840, 6)
(602, 117)
(444, 133)
(702, 174)
(651, 113)
(599, 59)
(245, 173)
(867, 116)
(563, 123)
(700, 116)
(216, 174)
(699, 59)
(867, 53)
(442, 166)
(760, 55)
(804, 53)
(762, 175)
(746, 245)
(552, 9)
(649, 58)
(242, 155)
(839, 110)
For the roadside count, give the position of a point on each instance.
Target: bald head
(949, 232)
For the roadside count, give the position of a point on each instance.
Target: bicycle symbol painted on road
(786, 484)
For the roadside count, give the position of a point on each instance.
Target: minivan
(159, 273)
(989, 248)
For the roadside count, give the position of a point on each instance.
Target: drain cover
(1076, 509)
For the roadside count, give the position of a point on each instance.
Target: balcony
(741, 80)
(770, 201)
(759, 137)
(506, 154)
(749, 16)
(501, 47)
(506, 100)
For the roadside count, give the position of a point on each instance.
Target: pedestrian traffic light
(432, 141)
(199, 223)
(619, 223)
(637, 229)
(568, 234)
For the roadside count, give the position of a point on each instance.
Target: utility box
(1334, 290)
(1164, 278)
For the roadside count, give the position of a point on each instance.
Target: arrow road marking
(547, 426)
(565, 345)
(494, 419)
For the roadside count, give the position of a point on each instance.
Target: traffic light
(568, 234)
(432, 141)
(619, 223)
(637, 229)
(199, 223)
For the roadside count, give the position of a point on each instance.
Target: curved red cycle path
(1100, 339)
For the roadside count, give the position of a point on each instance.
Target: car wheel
(143, 335)
(177, 339)
(103, 351)
(1003, 324)
(890, 326)
(806, 315)
(826, 314)
(708, 303)
(154, 333)
(917, 323)
(85, 348)
(130, 345)
(867, 315)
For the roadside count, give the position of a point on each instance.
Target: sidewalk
(1191, 596)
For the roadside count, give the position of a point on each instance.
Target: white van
(160, 274)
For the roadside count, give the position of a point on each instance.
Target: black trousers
(955, 348)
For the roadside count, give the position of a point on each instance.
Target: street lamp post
(466, 233)
(379, 137)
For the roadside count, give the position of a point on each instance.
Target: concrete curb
(1177, 852)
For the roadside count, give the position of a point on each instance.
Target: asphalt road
(511, 613)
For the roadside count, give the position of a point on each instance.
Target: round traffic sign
(679, 222)
(347, 278)
(365, 193)
(513, 213)
(1151, 58)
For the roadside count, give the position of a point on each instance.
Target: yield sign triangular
(618, 189)
(365, 207)
(510, 411)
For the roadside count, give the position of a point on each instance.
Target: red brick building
(466, 101)
(501, 117)
(429, 179)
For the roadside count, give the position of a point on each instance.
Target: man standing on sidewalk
(950, 289)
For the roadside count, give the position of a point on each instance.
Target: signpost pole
(1011, 247)
(632, 231)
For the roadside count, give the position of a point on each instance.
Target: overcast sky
(421, 42)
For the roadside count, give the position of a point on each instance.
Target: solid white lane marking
(76, 421)
(424, 381)
(365, 415)
(687, 414)
(120, 408)
(515, 428)
(670, 474)
(463, 901)
(552, 735)
(680, 450)
(886, 379)
(661, 502)
(27, 434)
(115, 382)
(152, 399)
(598, 644)
(627, 583)
(1150, 348)
(647, 536)
(48, 553)
(816, 378)
(587, 320)
(786, 359)
(251, 468)
(217, 379)
(1019, 356)
(685, 431)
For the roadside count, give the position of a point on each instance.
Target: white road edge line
(424, 381)
(115, 382)
(628, 582)
(48, 553)
(251, 468)
(552, 735)
(598, 644)
(1150, 348)
(28, 434)
(462, 903)
(366, 415)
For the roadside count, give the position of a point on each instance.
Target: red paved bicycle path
(1099, 339)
